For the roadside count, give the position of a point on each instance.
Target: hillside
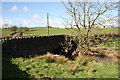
(54, 31)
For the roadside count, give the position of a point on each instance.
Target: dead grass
(83, 60)
(73, 68)
(104, 51)
(61, 59)
(50, 58)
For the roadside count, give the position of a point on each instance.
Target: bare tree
(88, 15)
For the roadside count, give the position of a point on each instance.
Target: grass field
(53, 31)
(52, 67)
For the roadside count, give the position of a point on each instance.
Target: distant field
(54, 31)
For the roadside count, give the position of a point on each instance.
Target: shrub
(73, 68)
(90, 68)
(13, 28)
(49, 58)
(22, 29)
(102, 52)
(83, 60)
(26, 29)
(61, 59)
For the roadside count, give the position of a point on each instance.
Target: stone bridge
(31, 45)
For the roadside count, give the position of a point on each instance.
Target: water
(104, 59)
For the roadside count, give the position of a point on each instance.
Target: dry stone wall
(25, 46)
(31, 45)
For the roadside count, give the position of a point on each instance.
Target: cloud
(1, 21)
(56, 21)
(36, 19)
(25, 9)
(5, 21)
(26, 21)
(14, 8)
(9, 22)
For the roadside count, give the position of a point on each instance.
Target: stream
(104, 59)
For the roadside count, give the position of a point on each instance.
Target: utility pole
(48, 22)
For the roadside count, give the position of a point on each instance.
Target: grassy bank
(49, 66)
(113, 42)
